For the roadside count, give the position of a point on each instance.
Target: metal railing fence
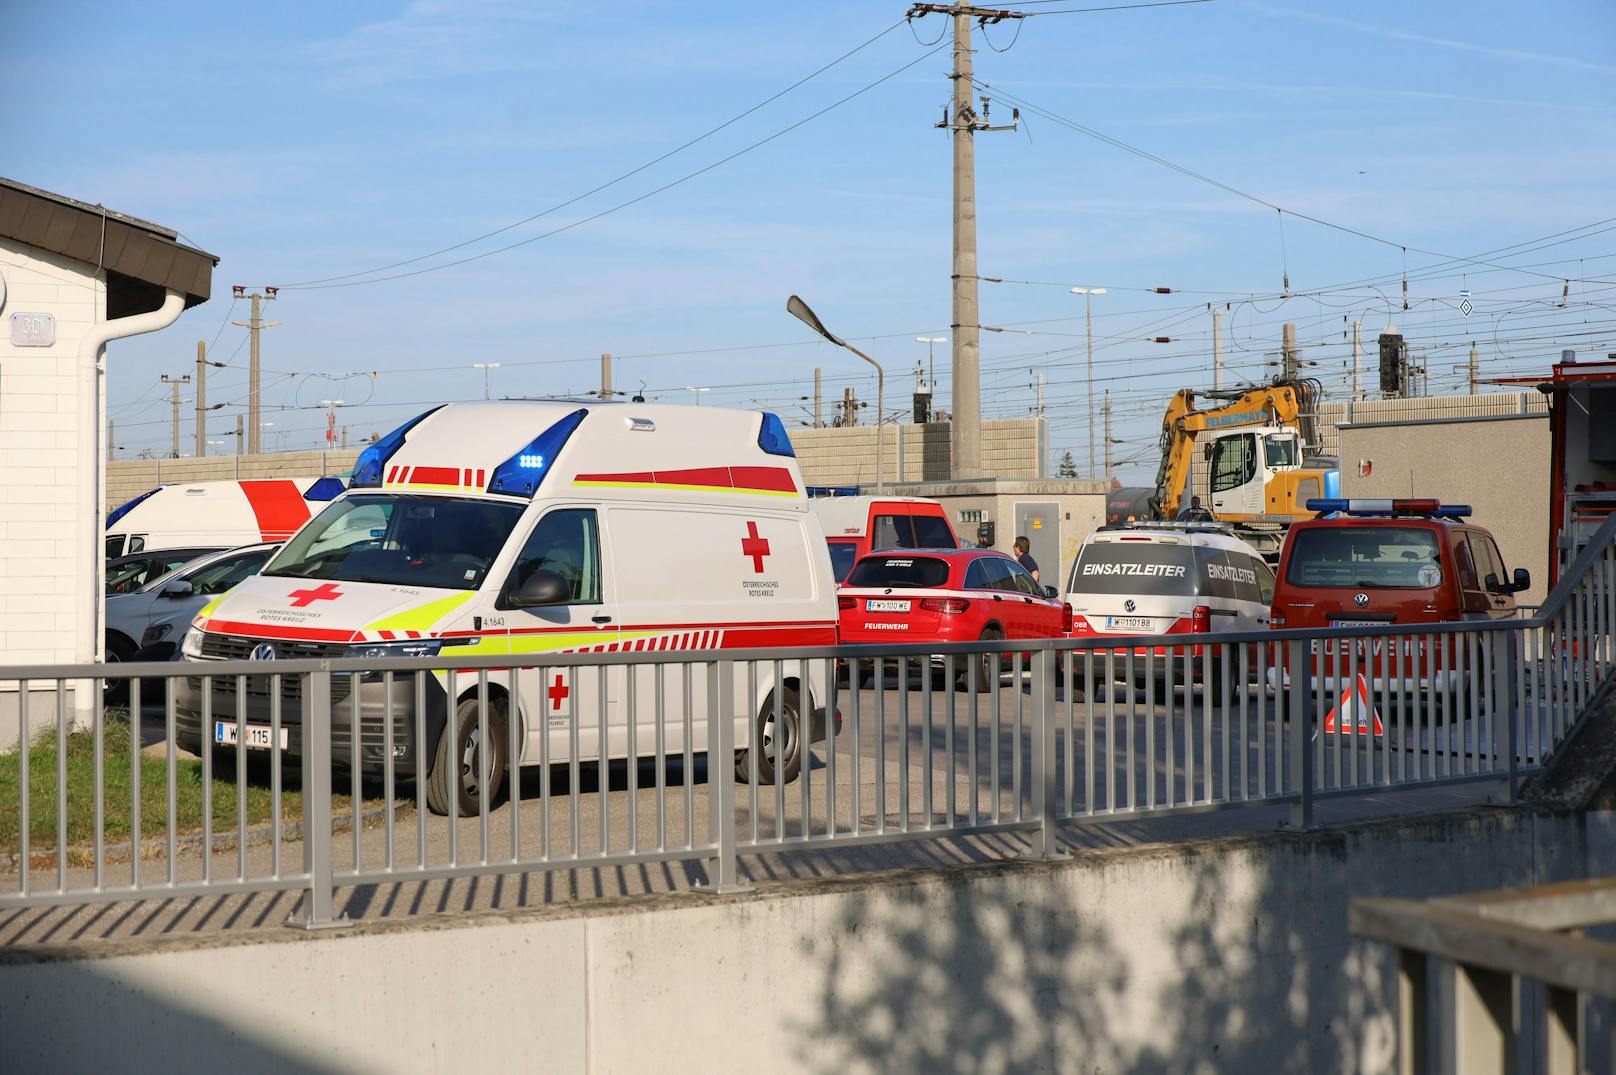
(557, 761)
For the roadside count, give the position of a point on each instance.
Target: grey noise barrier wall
(1226, 954)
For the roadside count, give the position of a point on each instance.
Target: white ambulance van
(527, 528)
(218, 515)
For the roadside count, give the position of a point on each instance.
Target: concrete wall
(45, 581)
(1226, 955)
(1079, 504)
(1498, 465)
(1424, 408)
(1010, 449)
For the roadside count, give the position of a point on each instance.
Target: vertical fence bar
(1262, 720)
(275, 806)
(545, 777)
(925, 747)
(953, 721)
(754, 758)
(241, 777)
(990, 672)
(97, 748)
(724, 875)
(61, 779)
(205, 735)
(134, 777)
(686, 673)
(317, 849)
(355, 786)
(1349, 733)
(1110, 731)
(387, 770)
(25, 742)
(778, 716)
(973, 745)
(804, 753)
(1132, 714)
(903, 749)
(1046, 843)
(485, 767)
(1504, 666)
(830, 709)
(631, 718)
(878, 682)
(603, 765)
(660, 711)
(1088, 728)
(575, 765)
(1016, 784)
(1302, 756)
(418, 682)
(855, 688)
(514, 746)
(1186, 699)
(1208, 696)
(1170, 726)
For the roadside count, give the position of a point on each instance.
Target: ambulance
(535, 527)
(216, 515)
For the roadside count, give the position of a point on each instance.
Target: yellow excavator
(1260, 445)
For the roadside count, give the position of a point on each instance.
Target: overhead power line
(1071, 124)
(351, 279)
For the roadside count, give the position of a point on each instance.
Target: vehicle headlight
(415, 647)
(156, 633)
(191, 646)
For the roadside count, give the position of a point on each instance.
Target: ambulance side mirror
(542, 588)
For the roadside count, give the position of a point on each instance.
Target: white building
(73, 276)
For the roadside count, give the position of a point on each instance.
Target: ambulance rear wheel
(784, 736)
(461, 764)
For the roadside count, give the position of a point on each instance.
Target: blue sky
(300, 142)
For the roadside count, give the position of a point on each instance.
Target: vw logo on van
(1361, 600)
(264, 651)
(1129, 605)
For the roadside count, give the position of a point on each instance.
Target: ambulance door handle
(602, 618)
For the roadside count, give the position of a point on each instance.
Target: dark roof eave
(113, 241)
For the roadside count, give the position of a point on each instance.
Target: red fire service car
(947, 595)
(1390, 562)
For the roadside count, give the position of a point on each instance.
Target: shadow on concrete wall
(1209, 978)
(84, 1015)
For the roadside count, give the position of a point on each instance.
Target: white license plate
(886, 606)
(259, 736)
(1130, 623)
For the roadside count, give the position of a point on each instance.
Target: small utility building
(73, 277)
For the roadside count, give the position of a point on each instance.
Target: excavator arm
(1281, 403)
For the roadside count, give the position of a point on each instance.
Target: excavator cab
(1241, 463)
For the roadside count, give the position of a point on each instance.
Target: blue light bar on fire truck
(1433, 509)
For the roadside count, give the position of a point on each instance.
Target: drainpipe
(91, 509)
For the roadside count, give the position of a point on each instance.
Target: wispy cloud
(1438, 42)
(430, 39)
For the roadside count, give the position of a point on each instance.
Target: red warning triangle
(1357, 713)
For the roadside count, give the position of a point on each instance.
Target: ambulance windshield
(402, 540)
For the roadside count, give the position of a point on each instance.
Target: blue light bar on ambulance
(123, 509)
(521, 474)
(368, 468)
(1433, 509)
(772, 436)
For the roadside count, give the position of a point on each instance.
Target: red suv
(947, 595)
(1390, 561)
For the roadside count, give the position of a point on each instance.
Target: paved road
(884, 773)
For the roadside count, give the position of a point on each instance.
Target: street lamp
(485, 367)
(1088, 294)
(799, 309)
(696, 392)
(931, 373)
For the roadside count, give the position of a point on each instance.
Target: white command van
(541, 527)
(218, 515)
(1168, 578)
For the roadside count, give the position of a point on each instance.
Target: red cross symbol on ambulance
(755, 547)
(558, 692)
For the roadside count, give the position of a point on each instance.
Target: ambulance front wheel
(778, 741)
(461, 765)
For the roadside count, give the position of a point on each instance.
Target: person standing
(1023, 549)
